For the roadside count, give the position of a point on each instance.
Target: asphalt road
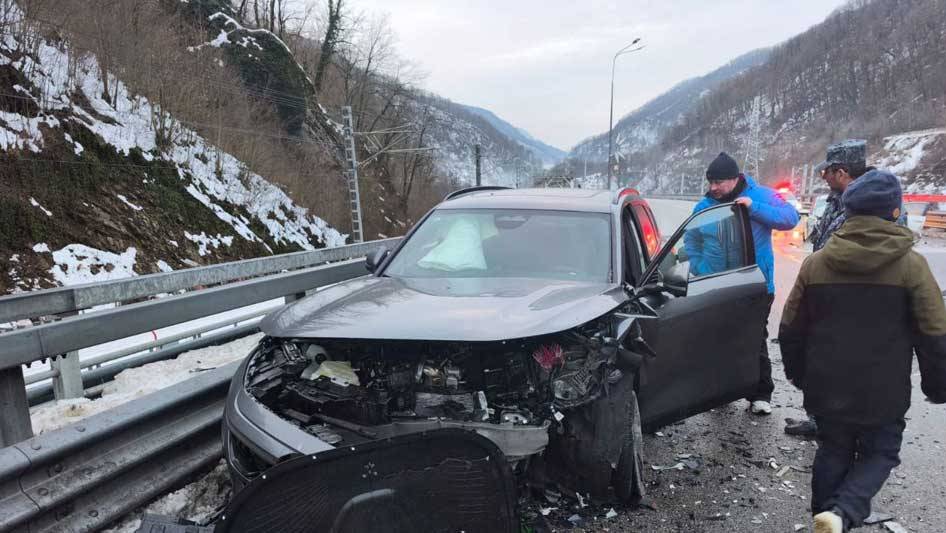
(740, 472)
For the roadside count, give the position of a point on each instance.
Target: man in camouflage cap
(845, 162)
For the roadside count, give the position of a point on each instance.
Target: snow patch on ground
(18, 132)
(129, 204)
(204, 241)
(41, 247)
(906, 151)
(78, 148)
(137, 382)
(78, 263)
(196, 502)
(36, 204)
(164, 267)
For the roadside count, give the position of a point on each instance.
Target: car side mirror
(375, 258)
(677, 278)
(673, 282)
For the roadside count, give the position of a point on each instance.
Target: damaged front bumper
(255, 438)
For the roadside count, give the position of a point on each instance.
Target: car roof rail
(468, 190)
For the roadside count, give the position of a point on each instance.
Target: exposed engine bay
(345, 391)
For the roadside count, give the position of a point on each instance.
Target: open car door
(710, 298)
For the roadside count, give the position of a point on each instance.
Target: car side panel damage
(571, 392)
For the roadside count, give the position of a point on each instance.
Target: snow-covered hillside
(103, 185)
(642, 128)
(548, 154)
(919, 157)
(505, 156)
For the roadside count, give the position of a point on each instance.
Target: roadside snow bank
(137, 382)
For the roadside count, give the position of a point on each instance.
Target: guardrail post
(68, 384)
(15, 425)
(293, 297)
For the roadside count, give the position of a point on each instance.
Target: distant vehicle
(550, 321)
(916, 214)
(799, 233)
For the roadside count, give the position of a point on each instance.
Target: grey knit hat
(876, 193)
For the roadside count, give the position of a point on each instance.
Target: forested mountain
(548, 154)
(642, 128)
(873, 69)
(156, 134)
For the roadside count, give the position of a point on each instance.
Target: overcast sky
(545, 65)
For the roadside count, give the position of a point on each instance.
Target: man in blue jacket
(767, 212)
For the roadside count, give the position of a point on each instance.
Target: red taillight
(650, 239)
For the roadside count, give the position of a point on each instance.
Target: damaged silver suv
(556, 323)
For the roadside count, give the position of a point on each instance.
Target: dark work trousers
(851, 465)
(766, 386)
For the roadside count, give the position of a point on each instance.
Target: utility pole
(354, 199)
(476, 156)
(612, 185)
(753, 141)
(682, 176)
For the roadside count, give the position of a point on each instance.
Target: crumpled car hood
(467, 309)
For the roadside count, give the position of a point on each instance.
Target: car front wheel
(627, 478)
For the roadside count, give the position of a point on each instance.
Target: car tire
(627, 478)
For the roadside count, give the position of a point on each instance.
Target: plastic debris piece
(574, 519)
(678, 466)
(611, 513)
(659, 433)
(894, 527)
(558, 416)
(877, 517)
(545, 511)
(783, 471)
(581, 501)
(799, 527)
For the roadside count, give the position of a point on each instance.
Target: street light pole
(612, 184)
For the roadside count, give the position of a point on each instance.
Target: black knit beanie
(723, 167)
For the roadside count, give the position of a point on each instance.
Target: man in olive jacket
(858, 310)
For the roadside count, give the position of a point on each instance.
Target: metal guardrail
(89, 474)
(59, 341)
(77, 297)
